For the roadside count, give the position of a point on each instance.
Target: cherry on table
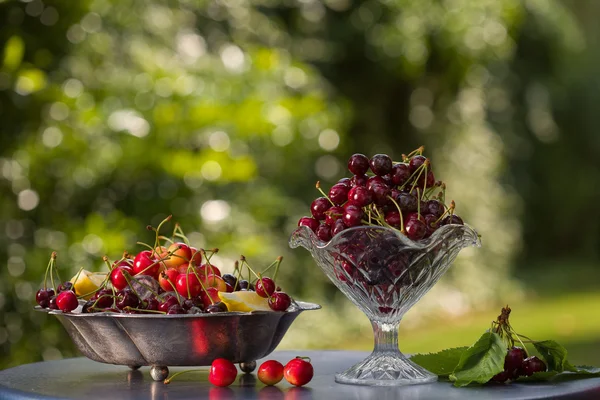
(222, 372)
(298, 371)
(270, 372)
(532, 365)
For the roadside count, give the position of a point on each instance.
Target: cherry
(210, 296)
(392, 218)
(120, 274)
(415, 229)
(359, 180)
(222, 372)
(245, 285)
(265, 287)
(381, 164)
(188, 285)
(380, 193)
(452, 219)
(298, 371)
(431, 223)
(501, 377)
(433, 207)
(167, 302)
(279, 301)
(319, 206)
(126, 298)
(145, 264)
(231, 280)
(270, 372)
(375, 180)
(324, 232)
(208, 269)
(514, 360)
(52, 303)
(337, 227)
(175, 309)
(360, 196)
(64, 287)
(333, 214)
(217, 307)
(42, 297)
(400, 174)
(215, 281)
(103, 298)
(345, 181)
(339, 193)
(407, 202)
(415, 162)
(152, 304)
(358, 164)
(168, 278)
(196, 256)
(312, 223)
(179, 253)
(532, 365)
(353, 215)
(66, 301)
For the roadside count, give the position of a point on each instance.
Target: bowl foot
(385, 369)
(159, 373)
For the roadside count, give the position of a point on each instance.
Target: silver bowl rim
(297, 307)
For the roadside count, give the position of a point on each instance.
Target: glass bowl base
(385, 369)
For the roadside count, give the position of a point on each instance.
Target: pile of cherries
(402, 195)
(178, 279)
(516, 364)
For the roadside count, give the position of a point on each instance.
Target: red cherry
(312, 223)
(210, 296)
(319, 206)
(298, 371)
(279, 301)
(222, 372)
(117, 277)
(188, 285)
(167, 279)
(265, 287)
(180, 253)
(145, 264)
(196, 256)
(67, 301)
(270, 372)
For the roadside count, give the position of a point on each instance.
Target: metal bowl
(180, 339)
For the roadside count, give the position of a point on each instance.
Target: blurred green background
(115, 114)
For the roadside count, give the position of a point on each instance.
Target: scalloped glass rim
(420, 245)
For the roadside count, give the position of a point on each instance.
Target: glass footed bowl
(384, 274)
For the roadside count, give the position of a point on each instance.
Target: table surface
(80, 378)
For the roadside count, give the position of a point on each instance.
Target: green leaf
(480, 362)
(538, 377)
(554, 376)
(554, 355)
(441, 363)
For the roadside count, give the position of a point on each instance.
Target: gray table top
(80, 378)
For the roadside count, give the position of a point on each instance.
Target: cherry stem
(304, 358)
(179, 233)
(399, 212)
(278, 261)
(156, 241)
(46, 274)
(418, 203)
(169, 379)
(51, 265)
(318, 186)
(142, 310)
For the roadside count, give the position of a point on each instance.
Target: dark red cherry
(452, 219)
(431, 223)
(433, 207)
(324, 233)
(359, 180)
(375, 180)
(217, 307)
(339, 193)
(380, 194)
(265, 287)
(42, 297)
(407, 202)
(381, 164)
(175, 309)
(167, 302)
(392, 218)
(360, 196)
(344, 181)
(532, 365)
(103, 298)
(52, 303)
(353, 215)
(230, 280)
(319, 206)
(245, 285)
(126, 298)
(514, 360)
(358, 164)
(338, 226)
(279, 301)
(333, 214)
(415, 162)
(64, 286)
(312, 223)
(415, 229)
(501, 377)
(400, 174)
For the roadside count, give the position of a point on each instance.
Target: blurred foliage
(115, 114)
